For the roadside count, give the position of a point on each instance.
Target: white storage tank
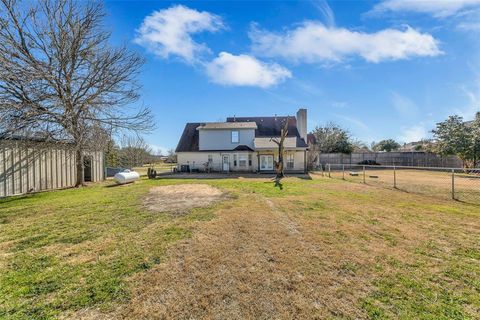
(126, 176)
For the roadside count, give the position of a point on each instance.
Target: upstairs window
(235, 137)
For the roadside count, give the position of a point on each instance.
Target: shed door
(87, 168)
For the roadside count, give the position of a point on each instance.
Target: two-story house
(243, 144)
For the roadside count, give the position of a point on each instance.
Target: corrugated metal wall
(33, 167)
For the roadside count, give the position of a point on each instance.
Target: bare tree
(134, 151)
(171, 156)
(59, 76)
(279, 165)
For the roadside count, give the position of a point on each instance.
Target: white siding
(219, 139)
(299, 159)
(196, 160)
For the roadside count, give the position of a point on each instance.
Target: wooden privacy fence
(416, 159)
(31, 167)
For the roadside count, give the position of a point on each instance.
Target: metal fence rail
(453, 183)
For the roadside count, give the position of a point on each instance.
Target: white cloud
(168, 32)
(437, 8)
(469, 26)
(413, 133)
(325, 11)
(403, 105)
(313, 42)
(244, 70)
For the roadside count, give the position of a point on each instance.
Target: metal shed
(32, 166)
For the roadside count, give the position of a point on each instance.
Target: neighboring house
(243, 144)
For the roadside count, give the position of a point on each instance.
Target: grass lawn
(430, 183)
(321, 248)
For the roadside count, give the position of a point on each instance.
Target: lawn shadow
(229, 175)
(21, 197)
(119, 184)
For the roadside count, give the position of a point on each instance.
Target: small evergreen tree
(387, 145)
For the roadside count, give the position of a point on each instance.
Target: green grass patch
(414, 257)
(72, 249)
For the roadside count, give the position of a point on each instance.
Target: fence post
(394, 177)
(329, 165)
(363, 174)
(453, 184)
(343, 172)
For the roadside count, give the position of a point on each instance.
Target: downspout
(305, 169)
(258, 162)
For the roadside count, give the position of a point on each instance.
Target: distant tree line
(129, 152)
(453, 136)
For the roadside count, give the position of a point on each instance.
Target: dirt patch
(183, 197)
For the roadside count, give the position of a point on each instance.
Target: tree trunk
(280, 165)
(280, 173)
(80, 179)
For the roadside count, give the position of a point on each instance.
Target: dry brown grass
(321, 249)
(181, 198)
(432, 183)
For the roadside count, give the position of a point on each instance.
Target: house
(243, 144)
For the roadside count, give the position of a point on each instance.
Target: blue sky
(381, 69)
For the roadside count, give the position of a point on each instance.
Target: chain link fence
(448, 183)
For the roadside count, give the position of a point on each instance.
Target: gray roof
(227, 125)
(189, 139)
(265, 127)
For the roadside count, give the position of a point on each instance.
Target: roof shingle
(189, 139)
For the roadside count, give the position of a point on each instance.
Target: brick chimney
(302, 123)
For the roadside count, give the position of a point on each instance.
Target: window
(290, 161)
(235, 137)
(210, 159)
(250, 160)
(242, 160)
(234, 160)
